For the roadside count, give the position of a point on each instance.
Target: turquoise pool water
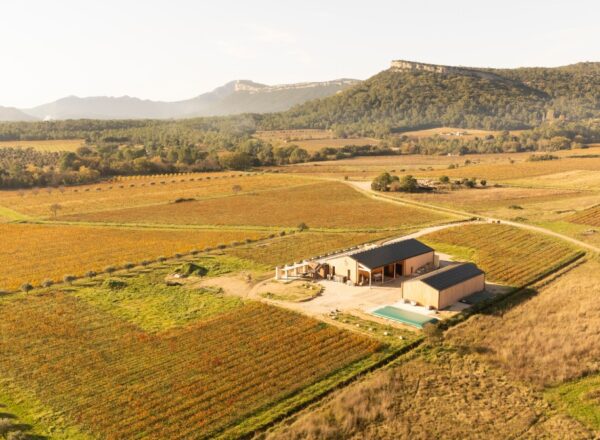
(404, 316)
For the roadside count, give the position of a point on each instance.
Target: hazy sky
(176, 49)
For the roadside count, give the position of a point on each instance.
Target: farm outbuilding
(446, 286)
(390, 261)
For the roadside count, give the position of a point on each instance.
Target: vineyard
(508, 255)
(31, 253)
(590, 216)
(138, 191)
(323, 205)
(301, 246)
(113, 380)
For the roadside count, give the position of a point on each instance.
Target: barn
(446, 286)
(386, 262)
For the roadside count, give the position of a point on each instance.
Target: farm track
(364, 188)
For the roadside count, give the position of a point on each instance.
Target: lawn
(319, 205)
(107, 377)
(32, 253)
(507, 254)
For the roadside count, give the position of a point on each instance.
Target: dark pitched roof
(451, 275)
(389, 253)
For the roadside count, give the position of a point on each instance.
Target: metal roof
(451, 275)
(390, 253)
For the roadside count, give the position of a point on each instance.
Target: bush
(302, 226)
(90, 274)
(192, 269)
(69, 279)
(444, 179)
(114, 284)
(177, 255)
(47, 283)
(515, 207)
(221, 246)
(110, 269)
(194, 252)
(128, 265)
(26, 287)
(161, 259)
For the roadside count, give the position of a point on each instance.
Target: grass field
(319, 205)
(506, 167)
(548, 339)
(146, 301)
(312, 140)
(580, 399)
(107, 377)
(452, 132)
(32, 253)
(439, 394)
(46, 145)
(508, 255)
(301, 246)
(142, 191)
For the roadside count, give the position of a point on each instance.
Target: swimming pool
(404, 316)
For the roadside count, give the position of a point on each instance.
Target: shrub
(110, 269)
(194, 252)
(26, 287)
(282, 234)
(145, 263)
(483, 182)
(177, 255)
(114, 284)
(192, 269)
(444, 179)
(47, 283)
(128, 265)
(161, 259)
(90, 274)
(221, 246)
(515, 207)
(302, 226)
(69, 279)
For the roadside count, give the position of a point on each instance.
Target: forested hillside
(397, 100)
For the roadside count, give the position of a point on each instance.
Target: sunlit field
(46, 145)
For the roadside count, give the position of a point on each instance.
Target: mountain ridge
(234, 97)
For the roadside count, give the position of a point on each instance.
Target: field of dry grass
(312, 140)
(319, 205)
(140, 191)
(453, 132)
(547, 339)
(505, 167)
(46, 145)
(442, 394)
(485, 200)
(32, 253)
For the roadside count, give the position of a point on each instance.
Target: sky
(177, 49)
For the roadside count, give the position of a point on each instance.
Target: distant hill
(233, 98)
(416, 95)
(11, 114)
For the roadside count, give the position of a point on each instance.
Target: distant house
(446, 286)
(402, 258)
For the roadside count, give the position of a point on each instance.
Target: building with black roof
(446, 286)
(377, 264)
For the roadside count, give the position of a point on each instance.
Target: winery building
(444, 287)
(376, 265)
